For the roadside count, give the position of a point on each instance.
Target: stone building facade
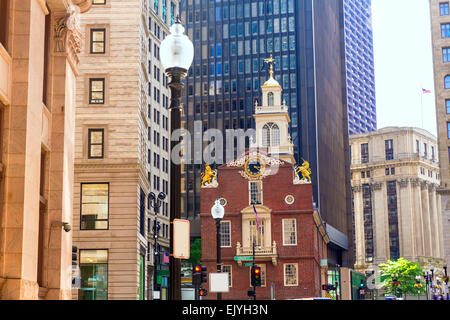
(440, 28)
(288, 235)
(396, 203)
(122, 149)
(40, 42)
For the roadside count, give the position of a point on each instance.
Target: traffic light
(204, 275)
(202, 292)
(251, 293)
(328, 287)
(256, 276)
(196, 275)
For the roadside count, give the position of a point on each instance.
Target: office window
(365, 153)
(389, 149)
(97, 44)
(97, 91)
(445, 30)
(289, 232)
(444, 9)
(447, 82)
(94, 206)
(446, 55)
(96, 143)
(291, 275)
(94, 275)
(225, 234)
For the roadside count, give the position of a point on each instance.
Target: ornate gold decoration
(254, 167)
(209, 176)
(305, 170)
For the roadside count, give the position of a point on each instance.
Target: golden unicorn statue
(208, 175)
(305, 170)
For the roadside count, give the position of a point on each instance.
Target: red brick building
(291, 239)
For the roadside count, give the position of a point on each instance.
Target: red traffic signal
(203, 292)
(256, 276)
(197, 268)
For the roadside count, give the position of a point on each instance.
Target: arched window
(271, 135)
(447, 82)
(271, 98)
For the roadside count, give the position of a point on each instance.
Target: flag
(166, 257)
(425, 91)
(256, 215)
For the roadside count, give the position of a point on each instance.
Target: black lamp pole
(176, 86)
(156, 203)
(219, 265)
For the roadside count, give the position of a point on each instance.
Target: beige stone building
(440, 26)
(396, 204)
(122, 149)
(39, 46)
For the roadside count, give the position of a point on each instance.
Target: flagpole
(421, 104)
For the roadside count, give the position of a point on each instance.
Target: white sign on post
(218, 282)
(181, 239)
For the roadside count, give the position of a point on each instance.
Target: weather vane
(271, 61)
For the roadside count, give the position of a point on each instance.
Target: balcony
(5, 76)
(261, 254)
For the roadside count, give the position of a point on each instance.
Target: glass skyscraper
(360, 66)
(306, 38)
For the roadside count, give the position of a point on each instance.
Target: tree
(404, 273)
(196, 252)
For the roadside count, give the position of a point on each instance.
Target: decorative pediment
(256, 165)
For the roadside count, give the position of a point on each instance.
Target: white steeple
(272, 120)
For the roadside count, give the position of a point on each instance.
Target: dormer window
(271, 99)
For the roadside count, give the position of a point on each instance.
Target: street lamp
(156, 203)
(217, 212)
(177, 54)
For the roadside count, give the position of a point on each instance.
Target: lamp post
(446, 282)
(217, 212)
(432, 282)
(177, 54)
(156, 203)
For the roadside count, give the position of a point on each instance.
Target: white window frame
(230, 274)
(285, 275)
(286, 243)
(229, 233)
(260, 184)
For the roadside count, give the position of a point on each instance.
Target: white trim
(296, 276)
(284, 231)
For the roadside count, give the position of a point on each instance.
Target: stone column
(426, 219)
(435, 234)
(358, 205)
(406, 220)
(21, 146)
(380, 222)
(417, 221)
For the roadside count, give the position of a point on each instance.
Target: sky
(403, 63)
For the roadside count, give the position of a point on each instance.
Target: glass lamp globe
(217, 211)
(177, 51)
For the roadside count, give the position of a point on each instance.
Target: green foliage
(196, 252)
(405, 272)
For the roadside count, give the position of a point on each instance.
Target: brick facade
(233, 187)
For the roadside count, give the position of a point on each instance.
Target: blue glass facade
(360, 66)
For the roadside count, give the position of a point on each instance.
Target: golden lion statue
(208, 175)
(305, 170)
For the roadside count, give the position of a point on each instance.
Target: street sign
(243, 258)
(181, 241)
(248, 264)
(218, 282)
